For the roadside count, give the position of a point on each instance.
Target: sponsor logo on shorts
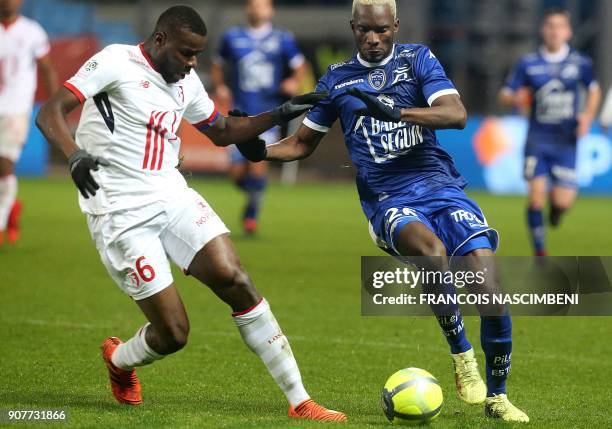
(132, 277)
(208, 213)
(470, 218)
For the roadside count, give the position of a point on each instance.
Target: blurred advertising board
(489, 154)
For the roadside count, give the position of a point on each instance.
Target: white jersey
(22, 42)
(130, 117)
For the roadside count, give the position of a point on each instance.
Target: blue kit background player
(389, 99)
(265, 67)
(550, 83)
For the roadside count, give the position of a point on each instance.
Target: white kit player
(139, 208)
(24, 47)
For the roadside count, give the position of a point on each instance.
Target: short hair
(391, 3)
(557, 11)
(181, 18)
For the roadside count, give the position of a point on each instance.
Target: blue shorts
(555, 161)
(270, 136)
(454, 218)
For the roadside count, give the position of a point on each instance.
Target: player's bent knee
(230, 275)
(435, 248)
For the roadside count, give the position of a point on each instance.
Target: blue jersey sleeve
(587, 74)
(322, 116)
(291, 52)
(431, 75)
(517, 77)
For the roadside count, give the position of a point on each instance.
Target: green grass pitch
(58, 304)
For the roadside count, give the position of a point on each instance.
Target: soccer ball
(411, 396)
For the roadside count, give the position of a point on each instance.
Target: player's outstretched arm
(445, 112)
(298, 146)
(234, 130)
(51, 120)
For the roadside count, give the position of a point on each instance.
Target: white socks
(135, 352)
(8, 193)
(260, 331)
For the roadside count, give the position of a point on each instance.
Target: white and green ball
(411, 396)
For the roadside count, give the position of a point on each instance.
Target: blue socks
(450, 320)
(496, 341)
(254, 188)
(535, 220)
(495, 338)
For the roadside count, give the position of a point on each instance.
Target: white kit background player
(24, 47)
(139, 208)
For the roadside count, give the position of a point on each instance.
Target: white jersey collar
(381, 63)
(555, 57)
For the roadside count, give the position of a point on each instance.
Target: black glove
(376, 108)
(253, 150)
(81, 163)
(296, 106)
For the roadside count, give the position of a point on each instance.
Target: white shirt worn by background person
(130, 117)
(22, 43)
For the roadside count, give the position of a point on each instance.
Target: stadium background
(476, 40)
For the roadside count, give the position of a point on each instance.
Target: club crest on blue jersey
(377, 79)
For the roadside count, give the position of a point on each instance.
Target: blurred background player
(390, 98)
(24, 47)
(264, 66)
(550, 82)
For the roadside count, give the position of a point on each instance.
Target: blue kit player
(550, 82)
(265, 67)
(390, 98)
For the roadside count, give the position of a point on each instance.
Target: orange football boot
(12, 227)
(309, 409)
(124, 384)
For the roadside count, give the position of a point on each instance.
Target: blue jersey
(556, 84)
(391, 158)
(258, 62)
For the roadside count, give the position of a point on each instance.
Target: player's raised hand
(297, 105)
(81, 164)
(253, 150)
(375, 107)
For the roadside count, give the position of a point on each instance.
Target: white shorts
(135, 244)
(13, 133)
